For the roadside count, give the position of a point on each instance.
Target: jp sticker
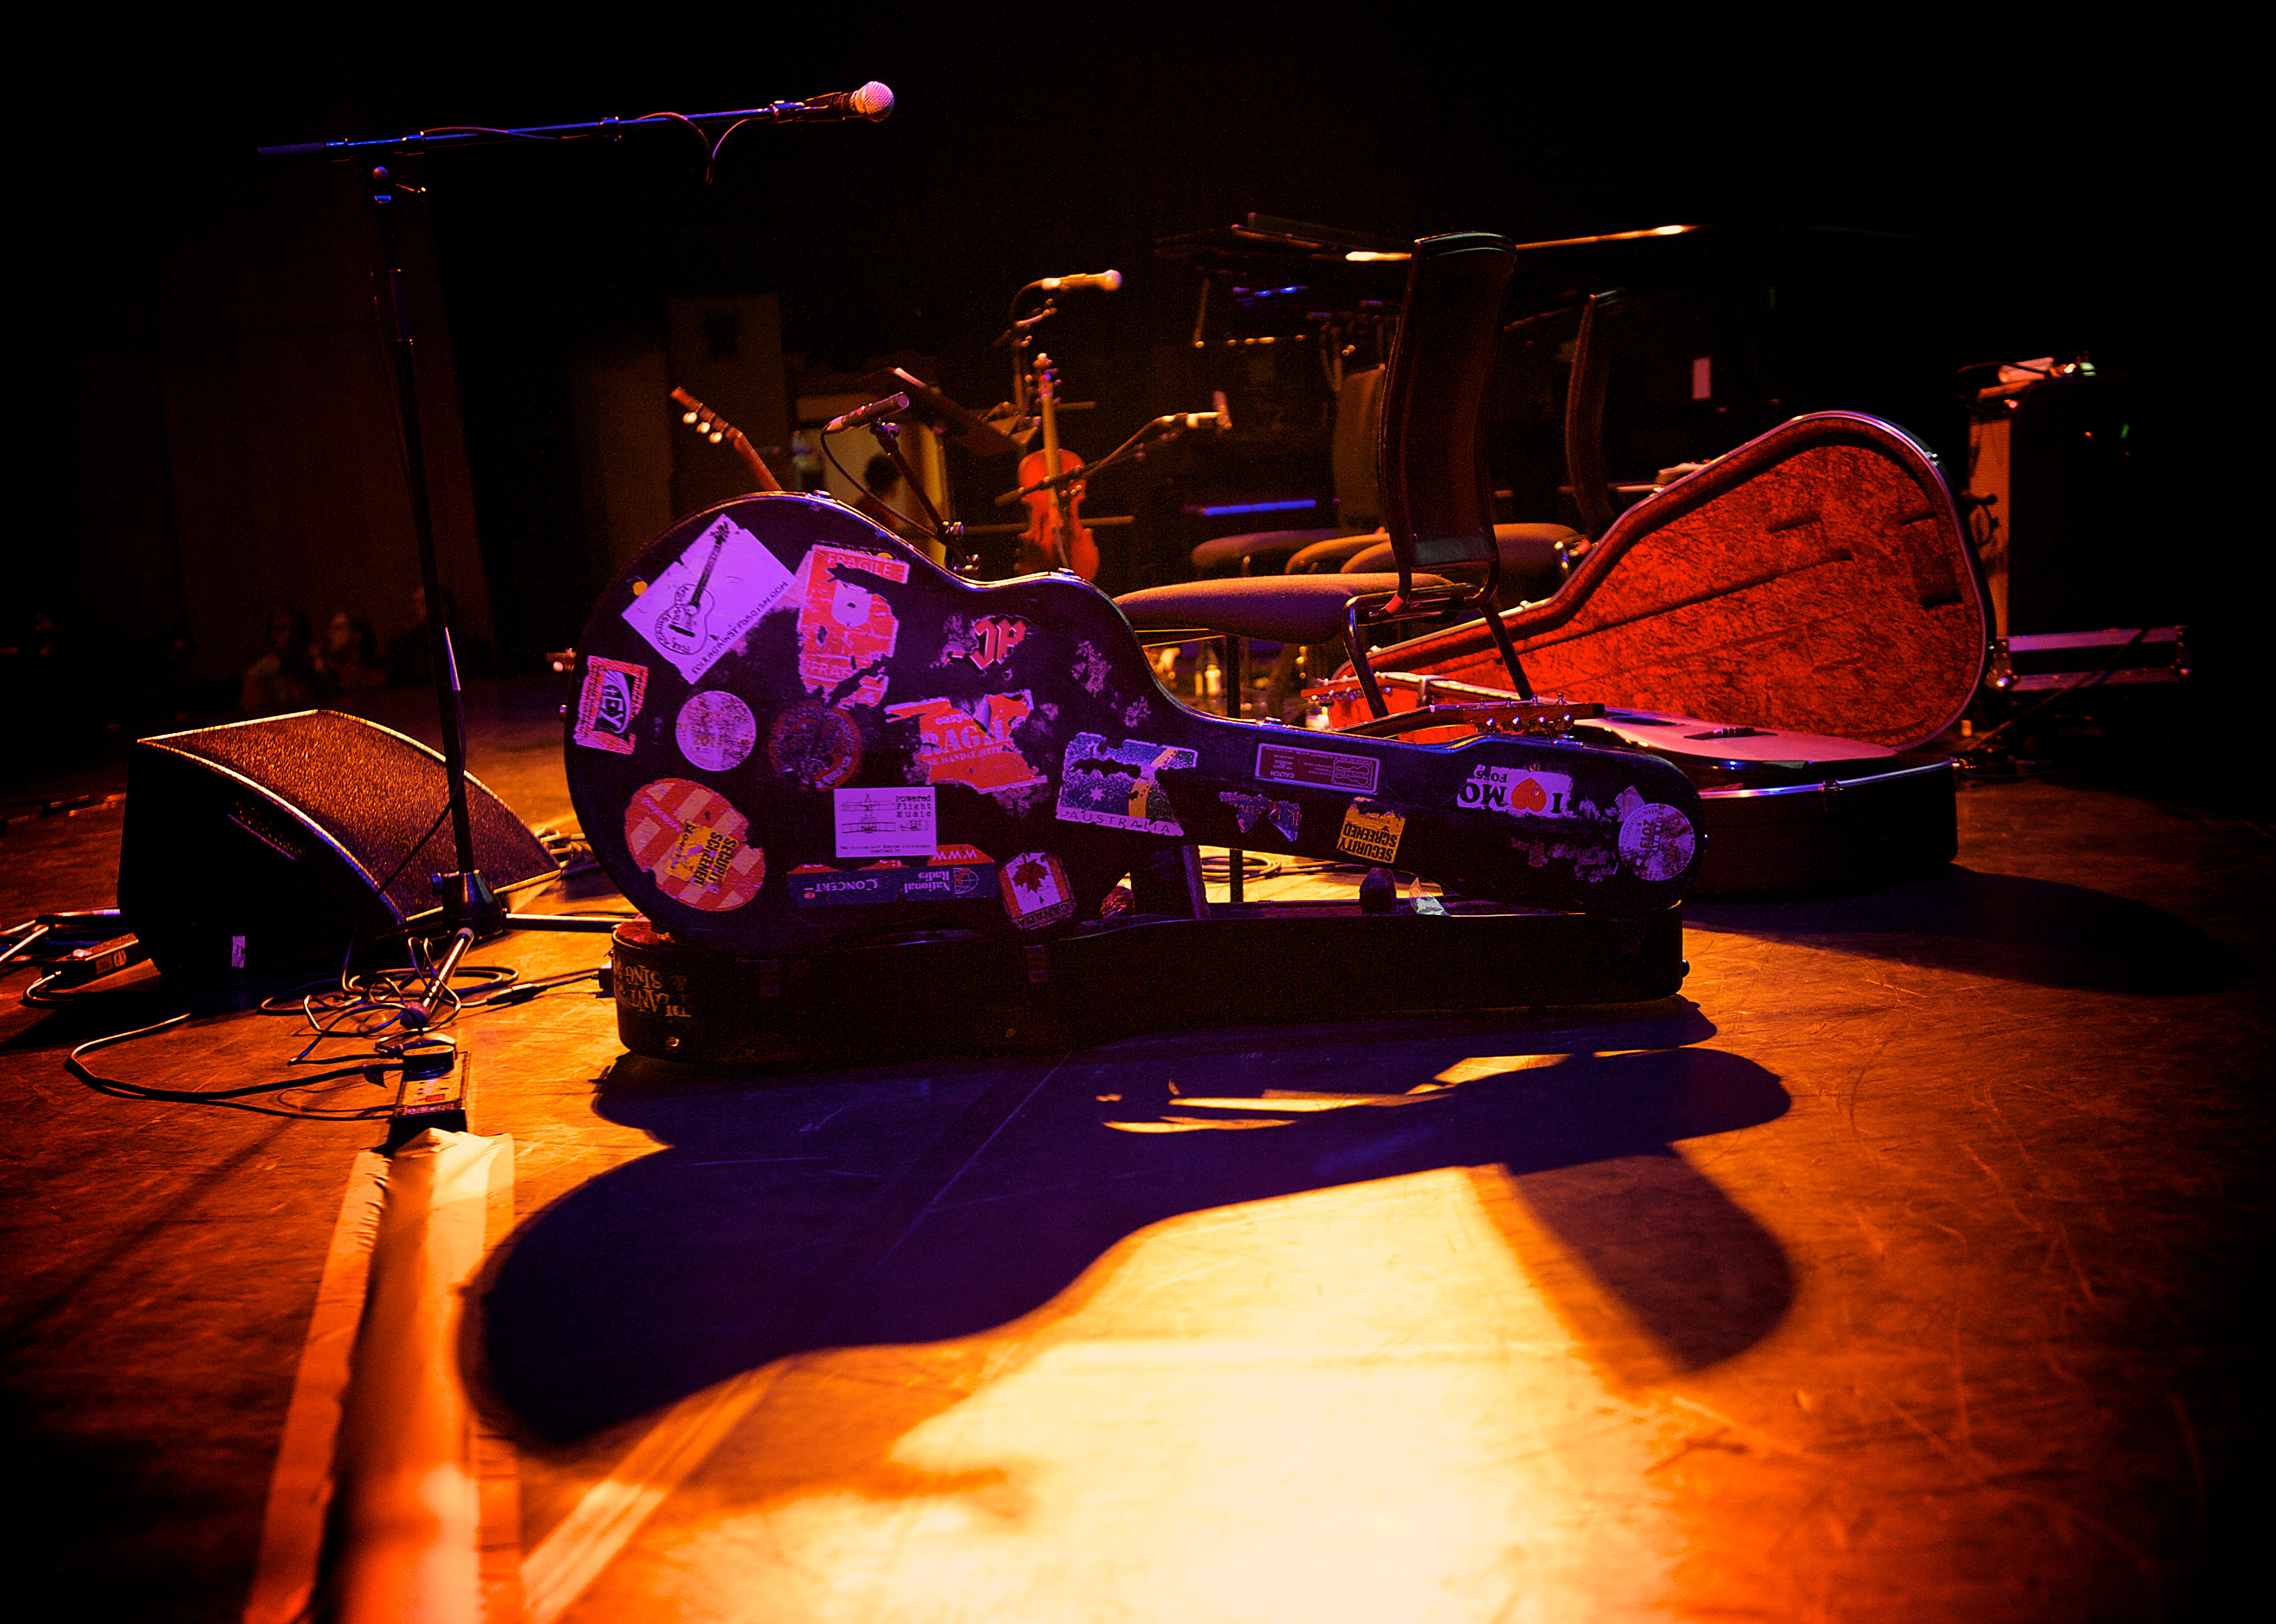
(886, 821)
(818, 745)
(1285, 815)
(1658, 841)
(607, 704)
(695, 843)
(1371, 835)
(844, 629)
(1518, 790)
(959, 745)
(712, 594)
(716, 730)
(1114, 784)
(1036, 890)
(992, 638)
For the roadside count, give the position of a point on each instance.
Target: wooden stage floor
(1902, 1268)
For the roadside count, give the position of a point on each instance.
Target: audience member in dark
(284, 679)
(347, 660)
(407, 651)
(173, 694)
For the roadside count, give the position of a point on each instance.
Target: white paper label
(701, 606)
(885, 821)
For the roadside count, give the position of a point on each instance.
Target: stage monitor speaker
(263, 846)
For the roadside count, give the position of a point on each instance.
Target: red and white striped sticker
(695, 843)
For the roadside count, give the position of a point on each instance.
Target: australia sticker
(844, 629)
(1517, 790)
(695, 845)
(1658, 841)
(1370, 833)
(961, 745)
(716, 730)
(1115, 786)
(818, 745)
(1036, 890)
(712, 594)
(607, 704)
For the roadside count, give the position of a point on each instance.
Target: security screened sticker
(607, 704)
(1372, 833)
(695, 843)
(712, 594)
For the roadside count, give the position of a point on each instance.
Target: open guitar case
(1794, 625)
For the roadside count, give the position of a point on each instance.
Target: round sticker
(716, 730)
(1658, 841)
(695, 843)
(816, 744)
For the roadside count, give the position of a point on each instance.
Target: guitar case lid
(1816, 579)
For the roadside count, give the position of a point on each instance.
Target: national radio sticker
(818, 745)
(959, 874)
(607, 703)
(1658, 841)
(1519, 791)
(844, 629)
(1036, 890)
(716, 730)
(712, 594)
(886, 821)
(1370, 833)
(1115, 786)
(961, 745)
(695, 845)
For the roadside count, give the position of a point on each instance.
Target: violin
(1055, 538)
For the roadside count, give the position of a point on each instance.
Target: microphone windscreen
(872, 100)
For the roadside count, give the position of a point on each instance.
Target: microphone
(1105, 282)
(868, 413)
(873, 102)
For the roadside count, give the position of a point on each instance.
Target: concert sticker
(607, 703)
(972, 746)
(712, 595)
(886, 821)
(1658, 841)
(1114, 784)
(1370, 834)
(1036, 890)
(959, 874)
(1281, 764)
(818, 745)
(1518, 790)
(716, 730)
(695, 845)
(845, 630)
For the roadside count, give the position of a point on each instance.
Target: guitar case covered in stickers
(792, 729)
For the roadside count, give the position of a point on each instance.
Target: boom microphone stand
(467, 900)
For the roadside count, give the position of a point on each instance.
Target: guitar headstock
(719, 431)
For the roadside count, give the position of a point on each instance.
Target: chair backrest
(1354, 451)
(1438, 500)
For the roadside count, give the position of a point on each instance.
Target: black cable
(864, 488)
